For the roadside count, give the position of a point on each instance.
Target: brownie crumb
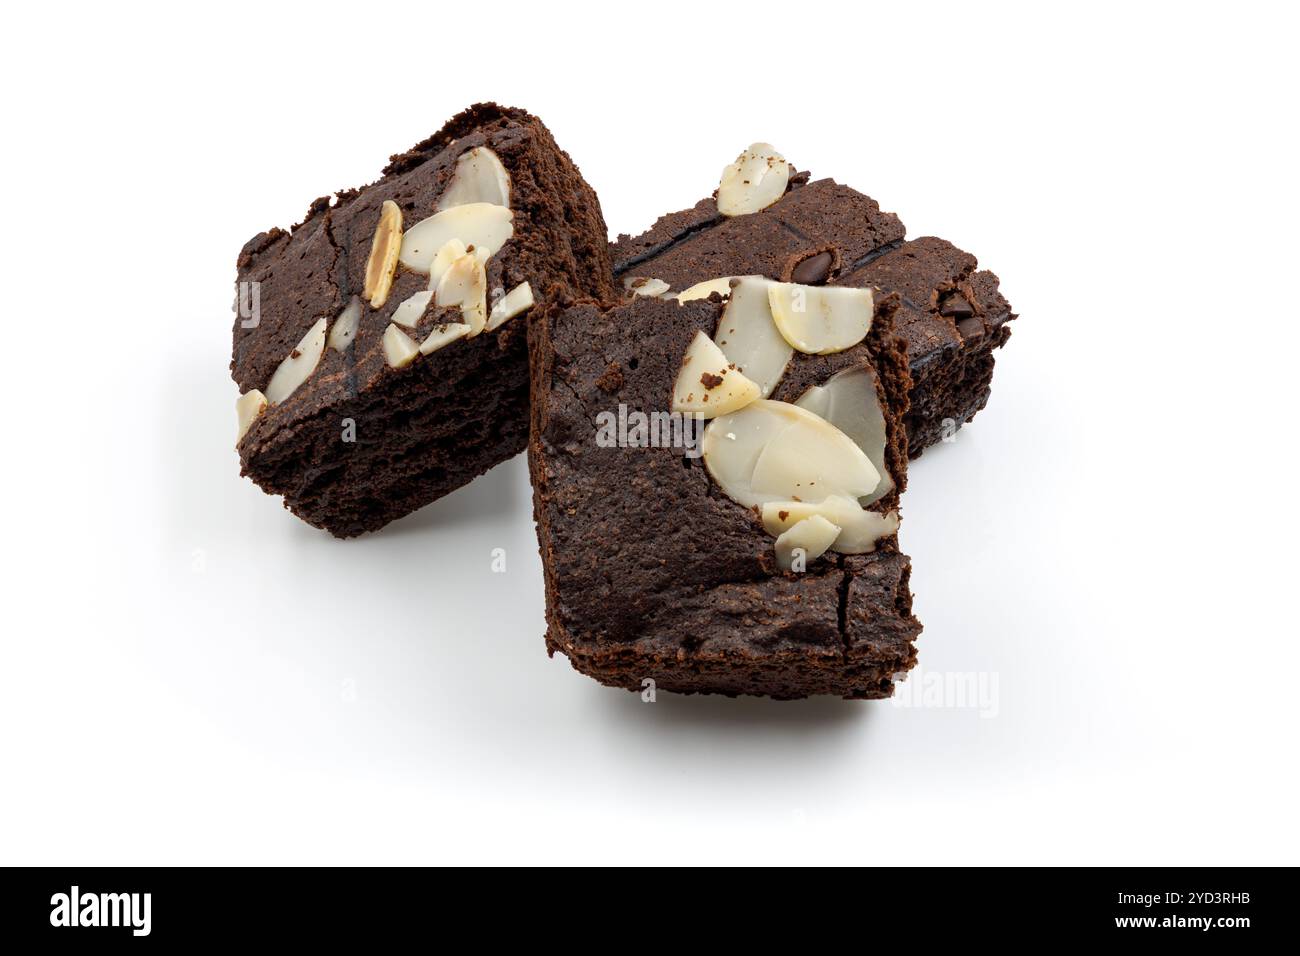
(611, 380)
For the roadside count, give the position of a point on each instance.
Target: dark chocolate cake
(672, 551)
(380, 345)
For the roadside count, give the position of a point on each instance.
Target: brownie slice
(822, 232)
(652, 572)
(375, 428)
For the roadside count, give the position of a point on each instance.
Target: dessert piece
(716, 490)
(952, 317)
(380, 346)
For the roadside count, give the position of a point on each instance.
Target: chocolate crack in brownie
(380, 346)
(952, 315)
(716, 490)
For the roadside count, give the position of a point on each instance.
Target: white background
(191, 675)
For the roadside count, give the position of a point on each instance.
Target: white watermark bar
(632, 428)
(948, 690)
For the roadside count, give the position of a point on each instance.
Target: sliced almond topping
(774, 451)
(646, 286)
(754, 181)
(485, 226)
(519, 299)
(298, 365)
(464, 285)
(748, 336)
(412, 310)
(848, 400)
(344, 329)
(860, 529)
(385, 249)
(813, 536)
(399, 348)
(820, 320)
(451, 250)
(702, 290)
(813, 459)
(443, 335)
(708, 385)
(247, 407)
(479, 177)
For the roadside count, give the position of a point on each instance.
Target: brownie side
(952, 368)
(651, 572)
(360, 443)
(952, 317)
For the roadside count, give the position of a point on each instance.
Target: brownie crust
(361, 443)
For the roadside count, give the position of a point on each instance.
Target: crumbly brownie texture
(821, 232)
(424, 429)
(651, 571)
(952, 318)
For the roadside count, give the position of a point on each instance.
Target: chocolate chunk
(813, 270)
(971, 328)
(956, 306)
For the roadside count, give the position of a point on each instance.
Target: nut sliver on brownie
(759, 556)
(380, 346)
(819, 232)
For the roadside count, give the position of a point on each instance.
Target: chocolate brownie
(822, 232)
(661, 567)
(381, 344)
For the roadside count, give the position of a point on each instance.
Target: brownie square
(374, 428)
(952, 317)
(652, 572)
